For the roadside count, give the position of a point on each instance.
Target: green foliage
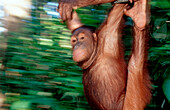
(37, 71)
(166, 87)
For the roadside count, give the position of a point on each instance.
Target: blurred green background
(36, 67)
